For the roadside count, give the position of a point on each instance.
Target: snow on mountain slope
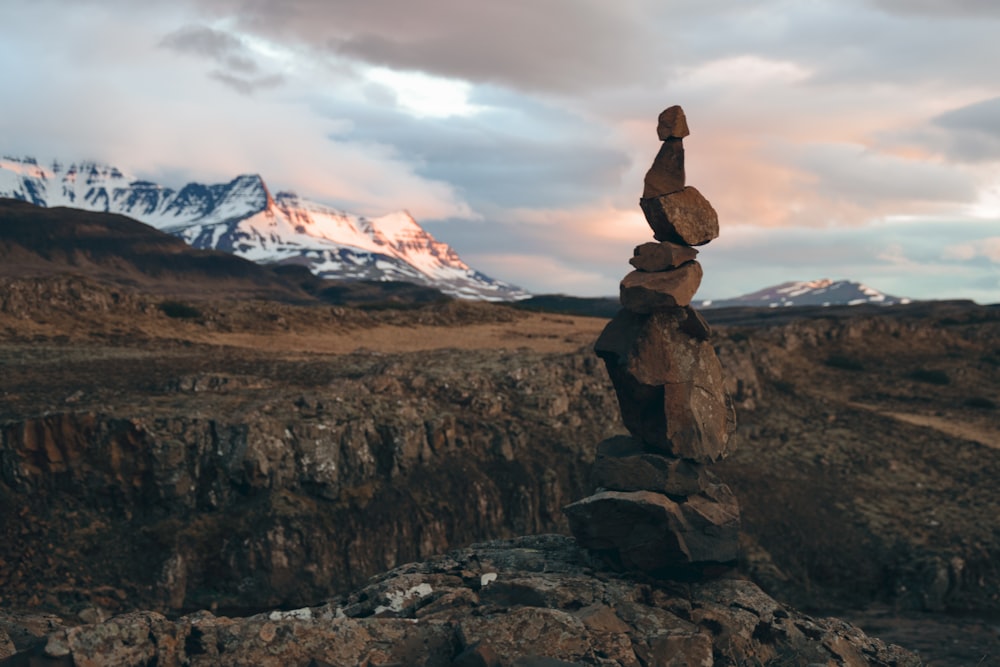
(96, 187)
(823, 292)
(243, 218)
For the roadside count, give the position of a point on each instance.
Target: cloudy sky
(851, 139)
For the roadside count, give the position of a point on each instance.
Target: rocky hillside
(113, 248)
(232, 470)
(872, 439)
(253, 455)
(531, 602)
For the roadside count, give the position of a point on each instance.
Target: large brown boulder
(644, 292)
(681, 217)
(667, 173)
(669, 385)
(647, 531)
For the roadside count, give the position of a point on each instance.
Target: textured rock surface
(694, 325)
(654, 510)
(266, 481)
(666, 175)
(661, 256)
(829, 520)
(672, 124)
(642, 292)
(649, 532)
(659, 370)
(7, 647)
(681, 217)
(530, 601)
(622, 464)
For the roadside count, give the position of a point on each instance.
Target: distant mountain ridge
(242, 217)
(823, 292)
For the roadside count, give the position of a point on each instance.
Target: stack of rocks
(656, 508)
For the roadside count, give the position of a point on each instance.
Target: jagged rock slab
(695, 325)
(681, 217)
(669, 384)
(529, 601)
(666, 175)
(623, 465)
(661, 256)
(643, 292)
(649, 532)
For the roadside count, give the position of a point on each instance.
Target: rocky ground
(248, 455)
(532, 602)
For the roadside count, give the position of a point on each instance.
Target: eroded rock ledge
(530, 601)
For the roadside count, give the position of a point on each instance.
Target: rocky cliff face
(229, 489)
(536, 601)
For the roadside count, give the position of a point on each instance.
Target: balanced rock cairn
(656, 508)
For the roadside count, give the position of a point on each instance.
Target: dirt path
(987, 437)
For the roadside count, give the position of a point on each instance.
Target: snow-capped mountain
(243, 217)
(823, 292)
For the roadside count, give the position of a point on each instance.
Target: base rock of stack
(684, 217)
(647, 531)
(669, 384)
(644, 292)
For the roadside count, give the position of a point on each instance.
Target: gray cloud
(941, 9)
(577, 47)
(868, 178)
(515, 153)
(557, 45)
(968, 134)
(215, 44)
(853, 43)
(236, 66)
(247, 85)
(979, 117)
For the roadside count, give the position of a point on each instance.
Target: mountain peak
(243, 218)
(821, 292)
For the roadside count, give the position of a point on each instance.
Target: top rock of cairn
(672, 124)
